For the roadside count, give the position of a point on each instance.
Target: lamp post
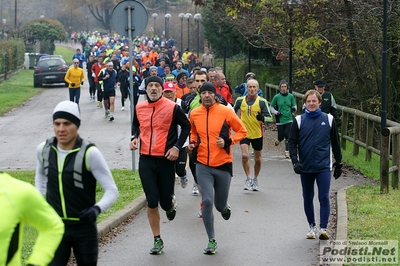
(154, 16)
(188, 16)
(87, 23)
(167, 17)
(181, 16)
(197, 18)
(291, 4)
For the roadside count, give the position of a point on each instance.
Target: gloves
(72, 84)
(90, 214)
(297, 167)
(338, 170)
(260, 117)
(81, 82)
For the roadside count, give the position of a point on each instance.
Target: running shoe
(287, 155)
(184, 181)
(111, 118)
(200, 214)
(247, 183)
(211, 247)
(123, 108)
(254, 185)
(106, 114)
(195, 189)
(277, 142)
(323, 235)
(158, 246)
(172, 212)
(226, 214)
(312, 234)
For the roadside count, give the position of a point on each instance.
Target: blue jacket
(314, 138)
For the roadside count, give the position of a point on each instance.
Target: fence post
(395, 160)
(345, 121)
(369, 140)
(385, 161)
(357, 129)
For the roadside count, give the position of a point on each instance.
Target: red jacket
(96, 70)
(225, 92)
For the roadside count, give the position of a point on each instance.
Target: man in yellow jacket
(21, 203)
(75, 78)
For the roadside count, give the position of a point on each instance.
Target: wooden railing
(363, 130)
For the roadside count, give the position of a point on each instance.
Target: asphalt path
(267, 227)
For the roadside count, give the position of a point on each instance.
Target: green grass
(16, 90)
(66, 52)
(371, 215)
(129, 187)
(370, 169)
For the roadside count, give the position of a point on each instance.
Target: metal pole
(384, 66)
(188, 34)
(130, 28)
(198, 38)
(182, 35)
(15, 17)
(290, 53)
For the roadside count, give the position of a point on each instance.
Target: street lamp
(87, 23)
(154, 15)
(197, 18)
(188, 16)
(181, 16)
(167, 17)
(291, 4)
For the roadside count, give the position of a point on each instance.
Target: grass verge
(371, 215)
(129, 187)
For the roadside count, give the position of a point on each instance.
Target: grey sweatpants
(214, 184)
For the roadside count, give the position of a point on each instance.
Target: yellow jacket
(74, 75)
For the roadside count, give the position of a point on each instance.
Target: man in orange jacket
(211, 127)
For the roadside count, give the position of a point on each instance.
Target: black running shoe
(226, 214)
(172, 212)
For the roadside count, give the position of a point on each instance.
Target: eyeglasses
(75, 63)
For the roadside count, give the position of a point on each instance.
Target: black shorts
(158, 180)
(108, 94)
(257, 144)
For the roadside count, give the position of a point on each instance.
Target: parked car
(50, 70)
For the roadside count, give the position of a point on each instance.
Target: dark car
(50, 70)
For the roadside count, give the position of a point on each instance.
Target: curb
(341, 214)
(117, 218)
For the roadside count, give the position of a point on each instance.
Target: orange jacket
(157, 123)
(180, 92)
(207, 125)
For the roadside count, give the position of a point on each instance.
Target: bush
(237, 67)
(11, 54)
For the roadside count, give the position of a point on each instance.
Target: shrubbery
(11, 54)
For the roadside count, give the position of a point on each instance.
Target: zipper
(208, 139)
(151, 129)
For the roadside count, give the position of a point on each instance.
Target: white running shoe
(247, 183)
(254, 185)
(323, 235)
(122, 108)
(312, 234)
(195, 189)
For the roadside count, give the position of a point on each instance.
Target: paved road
(266, 227)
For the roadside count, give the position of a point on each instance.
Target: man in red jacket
(222, 88)
(96, 67)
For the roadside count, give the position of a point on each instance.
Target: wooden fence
(363, 130)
